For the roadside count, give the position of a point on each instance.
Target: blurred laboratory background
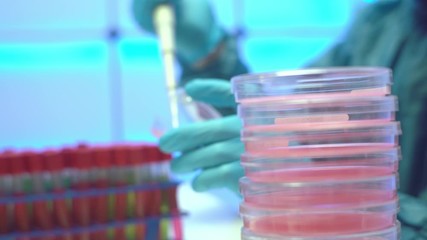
(81, 71)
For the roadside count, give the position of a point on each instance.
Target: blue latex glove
(197, 32)
(413, 217)
(213, 146)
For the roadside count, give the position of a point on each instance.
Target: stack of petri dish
(321, 154)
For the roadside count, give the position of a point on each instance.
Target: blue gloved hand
(213, 146)
(197, 32)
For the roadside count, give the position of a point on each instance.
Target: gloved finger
(216, 92)
(209, 156)
(192, 136)
(413, 211)
(226, 175)
(143, 12)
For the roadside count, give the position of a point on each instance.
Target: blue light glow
(279, 14)
(59, 92)
(264, 54)
(53, 55)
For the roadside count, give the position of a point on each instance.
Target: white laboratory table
(212, 215)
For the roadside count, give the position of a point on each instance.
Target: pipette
(164, 20)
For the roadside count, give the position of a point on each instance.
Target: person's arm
(223, 62)
(203, 48)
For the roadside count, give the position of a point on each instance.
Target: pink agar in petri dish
(319, 195)
(321, 173)
(315, 151)
(318, 224)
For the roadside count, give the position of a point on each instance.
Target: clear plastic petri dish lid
(322, 223)
(313, 83)
(319, 110)
(262, 138)
(318, 151)
(392, 233)
(360, 165)
(327, 128)
(325, 195)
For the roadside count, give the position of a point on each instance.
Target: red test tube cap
(54, 161)
(145, 151)
(136, 154)
(160, 156)
(129, 151)
(165, 156)
(34, 162)
(17, 163)
(4, 164)
(102, 157)
(68, 155)
(119, 155)
(82, 159)
(152, 154)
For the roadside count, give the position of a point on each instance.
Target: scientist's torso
(394, 34)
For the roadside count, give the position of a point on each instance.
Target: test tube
(55, 166)
(162, 175)
(136, 159)
(99, 204)
(20, 177)
(119, 177)
(165, 165)
(41, 211)
(5, 190)
(174, 211)
(155, 195)
(81, 181)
